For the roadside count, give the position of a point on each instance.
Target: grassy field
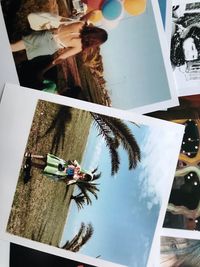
(40, 207)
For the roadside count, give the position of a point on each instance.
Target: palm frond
(85, 193)
(80, 200)
(111, 142)
(126, 138)
(86, 188)
(84, 238)
(96, 176)
(93, 171)
(88, 234)
(115, 161)
(74, 241)
(58, 124)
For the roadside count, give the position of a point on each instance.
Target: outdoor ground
(40, 207)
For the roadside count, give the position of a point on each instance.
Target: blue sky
(133, 61)
(126, 212)
(162, 4)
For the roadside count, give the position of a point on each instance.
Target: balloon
(135, 7)
(95, 4)
(111, 9)
(95, 16)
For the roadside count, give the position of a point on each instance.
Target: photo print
(184, 21)
(83, 177)
(47, 44)
(183, 210)
(5, 250)
(30, 258)
(179, 252)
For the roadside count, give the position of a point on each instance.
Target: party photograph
(185, 49)
(183, 211)
(76, 48)
(81, 177)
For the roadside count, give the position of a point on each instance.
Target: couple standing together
(60, 170)
(53, 33)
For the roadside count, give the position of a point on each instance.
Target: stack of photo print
(100, 133)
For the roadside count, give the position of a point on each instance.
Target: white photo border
(16, 113)
(8, 63)
(193, 87)
(165, 52)
(7, 66)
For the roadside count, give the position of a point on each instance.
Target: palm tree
(80, 200)
(86, 188)
(59, 123)
(81, 238)
(116, 132)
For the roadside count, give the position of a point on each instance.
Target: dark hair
(92, 36)
(177, 56)
(87, 177)
(177, 53)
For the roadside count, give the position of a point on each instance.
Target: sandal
(27, 154)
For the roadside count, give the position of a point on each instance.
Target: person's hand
(57, 61)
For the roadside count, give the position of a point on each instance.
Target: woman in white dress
(52, 33)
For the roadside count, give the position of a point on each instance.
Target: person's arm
(71, 182)
(75, 162)
(43, 21)
(186, 30)
(46, 21)
(68, 53)
(74, 27)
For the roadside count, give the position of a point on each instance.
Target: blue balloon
(111, 9)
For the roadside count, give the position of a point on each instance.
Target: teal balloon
(111, 9)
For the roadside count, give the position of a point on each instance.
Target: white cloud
(96, 153)
(159, 155)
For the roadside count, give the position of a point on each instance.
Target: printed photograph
(179, 252)
(185, 45)
(76, 48)
(23, 256)
(87, 178)
(183, 210)
(5, 253)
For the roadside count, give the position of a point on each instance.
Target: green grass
(40, 207)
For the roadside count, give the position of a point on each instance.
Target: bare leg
(18, 46)
(38, 165)
(40, 75)
(38, 157)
